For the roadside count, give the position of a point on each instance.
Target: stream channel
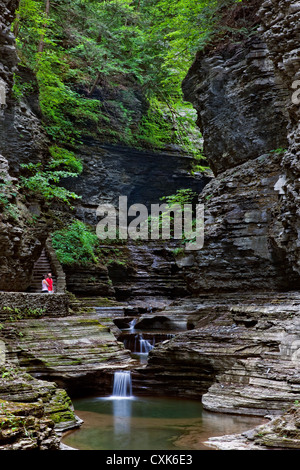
(124, 421)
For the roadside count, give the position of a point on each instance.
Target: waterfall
(122, 385)
(145, 345)
(132, 324)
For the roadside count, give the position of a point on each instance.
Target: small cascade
(122, 387)
(145, 345)
(141, 344)
(132, 324)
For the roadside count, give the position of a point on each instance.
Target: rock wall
(242, 111)
(75, 351)
(280, 29)
(8, 53)
(144, 269)
(143, 176)
(240, 252)
(241, 354)
(21, 137)
(240, 103)
(25, 302)
(33, 412)
(22, 236)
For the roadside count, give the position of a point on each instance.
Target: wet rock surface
(78, 353)
(32, 412)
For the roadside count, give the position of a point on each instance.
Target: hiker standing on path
(45, 285)
(50, 283)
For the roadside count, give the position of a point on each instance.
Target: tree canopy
(74, 46)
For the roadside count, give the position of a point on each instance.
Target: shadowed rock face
(242, 111)
(7, 41)
(240, 103)
(21, 137)
(143, 176)
(280, 21)
(240, 250)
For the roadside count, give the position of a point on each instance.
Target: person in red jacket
(50, 283)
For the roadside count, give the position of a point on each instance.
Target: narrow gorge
(215, 330)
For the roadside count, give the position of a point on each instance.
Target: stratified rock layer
(77, 352)
(242, 357)
(242, 111)
(32, 412)
(280, 28)
(240, 250)
(142, 176)
(240, 103)
(21, 234)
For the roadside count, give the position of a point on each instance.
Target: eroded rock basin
(150, 423)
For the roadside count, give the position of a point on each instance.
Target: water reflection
(122, 411)
(150, 424)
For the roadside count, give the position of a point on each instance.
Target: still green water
(149, 424)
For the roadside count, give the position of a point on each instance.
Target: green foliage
(86, 43)
(181, 197)
(178, 251)
(279, 151)
(66, 159)
(8, 193)
(75, 244)
(174, 205)
(80, 46)
(64, 110)
(20, 88)
(45, 183)
(24, 312)
(155, 127)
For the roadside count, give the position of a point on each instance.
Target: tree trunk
(47, 11)
(95, 84)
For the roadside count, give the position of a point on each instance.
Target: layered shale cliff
(241, 354)
(23, 225)
(280, 29)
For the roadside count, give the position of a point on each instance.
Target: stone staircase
(41, 267)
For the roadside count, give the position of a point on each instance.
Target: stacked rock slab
(32, 412)
(76, 352)
(242, 355)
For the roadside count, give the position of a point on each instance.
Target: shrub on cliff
(75, 244)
